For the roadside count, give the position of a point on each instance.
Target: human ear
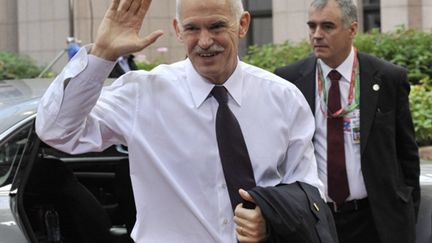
(353, 29)
(244, 24)
(176, 26)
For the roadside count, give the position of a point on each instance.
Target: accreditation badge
(347, 124)
(355, 126)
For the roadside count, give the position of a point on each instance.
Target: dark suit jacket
(118, 70)
(295, 213)
(389, 153)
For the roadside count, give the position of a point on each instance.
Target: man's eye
(217, 26)
(328, 27)
(190, 28)
(312, 27)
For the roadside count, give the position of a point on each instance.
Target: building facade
(41, 28)
(290, 16)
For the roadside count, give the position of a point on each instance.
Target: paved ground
(426, 172)
(426, 153)
(426, 165)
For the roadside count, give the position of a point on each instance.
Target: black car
(50, 196)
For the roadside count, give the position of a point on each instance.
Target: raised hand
(118, 34)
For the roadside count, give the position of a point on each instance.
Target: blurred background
(41, 28)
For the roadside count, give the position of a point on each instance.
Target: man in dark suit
(123, 65)
(364, 126)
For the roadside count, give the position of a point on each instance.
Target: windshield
(18, 100)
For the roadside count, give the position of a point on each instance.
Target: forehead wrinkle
(206, 8)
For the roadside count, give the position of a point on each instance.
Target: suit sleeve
(407, 149)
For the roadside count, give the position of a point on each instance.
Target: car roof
(19, 99)
(18, 90)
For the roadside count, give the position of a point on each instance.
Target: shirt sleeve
(70, 117)
(301, 163)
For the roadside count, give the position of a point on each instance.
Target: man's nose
(205, 39)
(317, 33)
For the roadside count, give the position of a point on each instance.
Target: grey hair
(235, 5)
(347, 7)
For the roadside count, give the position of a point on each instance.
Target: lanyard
(353, 95)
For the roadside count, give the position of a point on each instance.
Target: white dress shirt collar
(200, 87)
(345, 68)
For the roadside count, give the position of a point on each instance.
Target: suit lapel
(369, 78)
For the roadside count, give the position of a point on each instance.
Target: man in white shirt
(166, 117)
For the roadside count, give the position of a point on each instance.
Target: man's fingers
(151, 38)
(125, 5)
(246, 196)
(135, 6)
(114, 5)
(241, 230)
(245, 234)
(131, 6)
(118, 33)
(145, 5)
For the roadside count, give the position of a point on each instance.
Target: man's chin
(320, 53)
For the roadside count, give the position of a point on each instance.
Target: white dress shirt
(352, 150)
(167, 119)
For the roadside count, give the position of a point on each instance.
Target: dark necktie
(233, 152)
(338, 189)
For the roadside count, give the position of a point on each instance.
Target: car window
(112, 153)
(11, 152)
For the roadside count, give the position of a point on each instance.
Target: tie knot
(220, 94)
(334, 76)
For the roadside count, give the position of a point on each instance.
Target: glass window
(371, 15)
(261, 27)
(368, 2)
(262, 30)
(257, 5)
(11, 152)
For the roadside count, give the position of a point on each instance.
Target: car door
(75, 198)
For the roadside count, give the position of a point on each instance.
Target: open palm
(118, 33)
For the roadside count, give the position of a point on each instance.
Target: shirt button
(225, 221)
(224, 186)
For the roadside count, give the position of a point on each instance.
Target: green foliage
(411, 49)
(13, 66)
(408, 48)
(421, 110)
(146, 65)
(271, 56)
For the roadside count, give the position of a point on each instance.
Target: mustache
(211, 50)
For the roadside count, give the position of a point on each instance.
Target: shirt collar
(200, 87)
(345, 68)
